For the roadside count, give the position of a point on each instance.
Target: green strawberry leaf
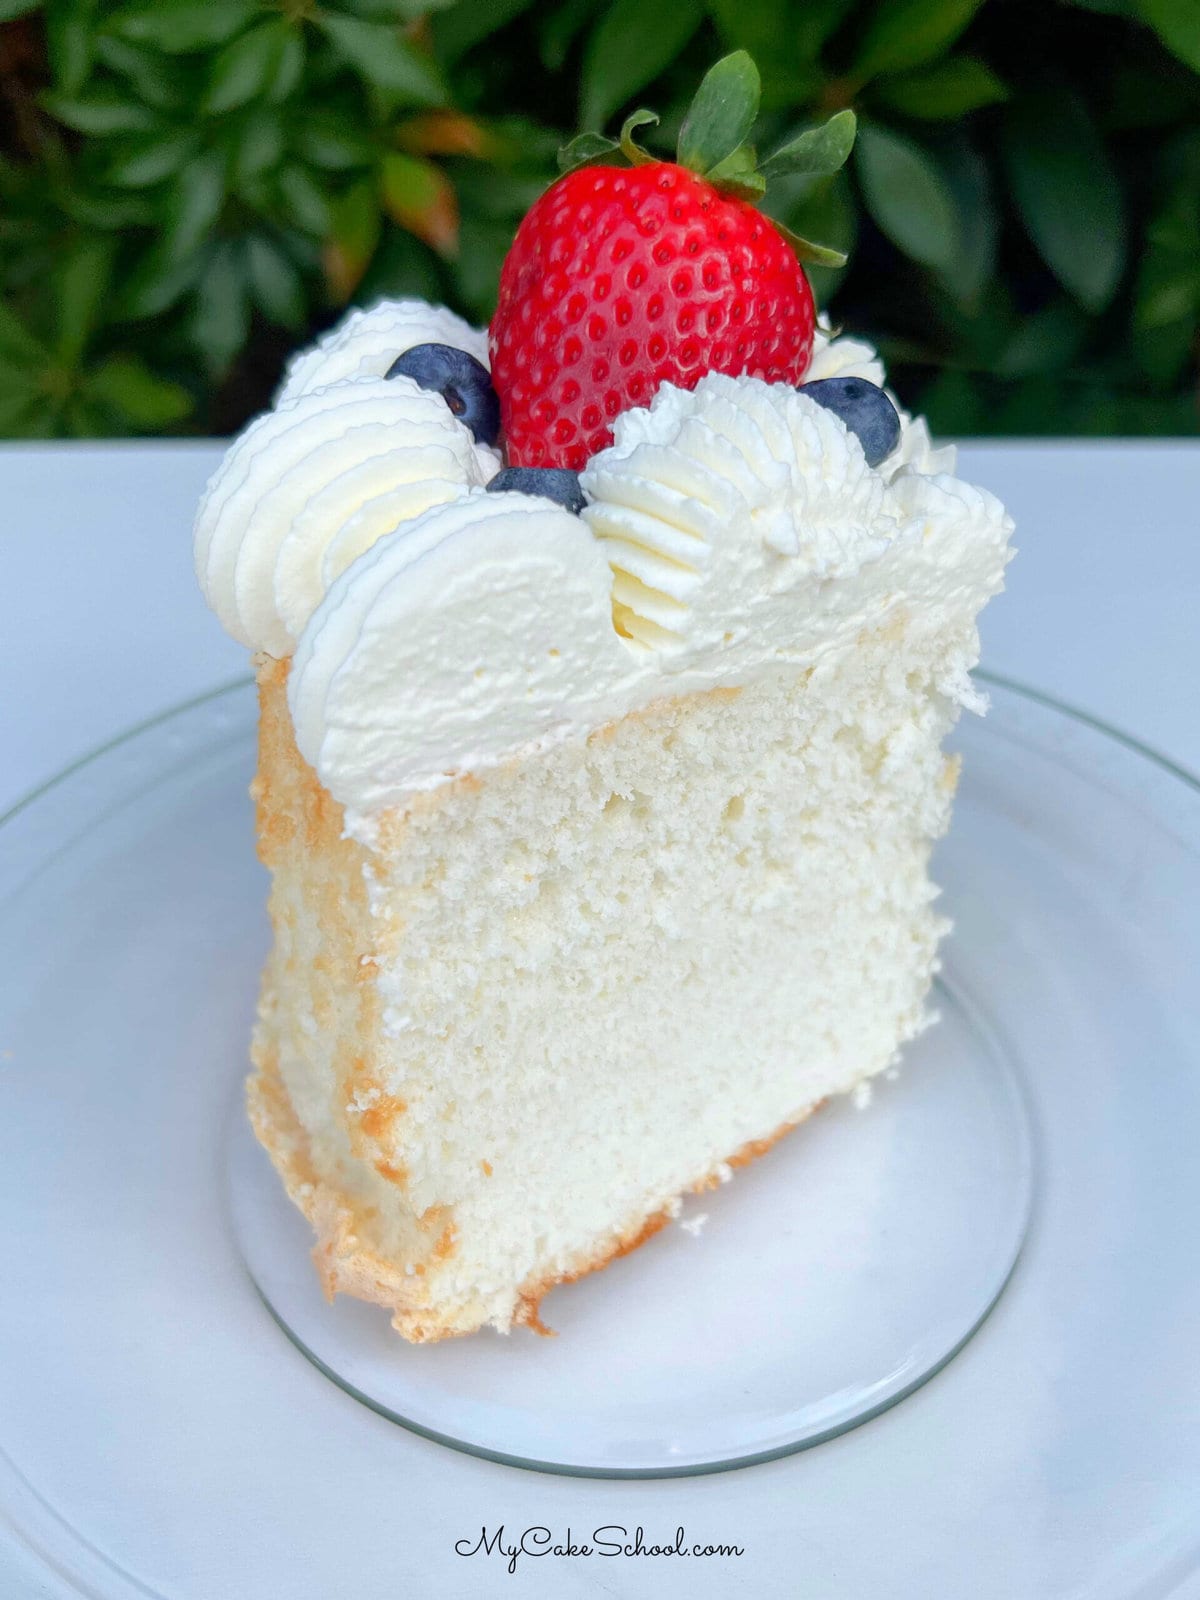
(818, 152)
(738, 174)
(632, 151)
(722, 114)
(584, 149)
(817, 255)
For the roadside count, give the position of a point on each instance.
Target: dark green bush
(190, 187)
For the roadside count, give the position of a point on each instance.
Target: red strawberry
(622, 279)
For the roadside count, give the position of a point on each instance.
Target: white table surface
(101, 626)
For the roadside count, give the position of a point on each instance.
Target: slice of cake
(598, 837)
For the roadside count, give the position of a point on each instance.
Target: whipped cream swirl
(365, 343)
(731, 531)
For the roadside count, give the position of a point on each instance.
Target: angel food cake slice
(599, 764)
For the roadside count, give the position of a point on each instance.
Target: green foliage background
(188, 188)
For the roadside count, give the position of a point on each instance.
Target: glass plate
(150, 1407)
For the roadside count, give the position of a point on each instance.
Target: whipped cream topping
(700, 495)
(365, 343)
(732, 531)
(312, 484)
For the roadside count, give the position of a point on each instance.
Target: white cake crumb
(862, 1095)
(695, 1225)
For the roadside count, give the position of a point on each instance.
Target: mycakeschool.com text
(612, 1540)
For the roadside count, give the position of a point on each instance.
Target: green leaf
(355, 225)
(70, 25)
(10, 9)
(180, 26)
(908, 33)
(193, 205)
(418, 196)
(246, 66)
(811, 253)
(630, 149)
(99, 209)
(103, 112)
(221, 322)
(158, 283)
(943, 91)
(1177, 24)
(327, 140)
(18, 347)
(818, 152)
(156, 79)
(126, 385)
(1068, 194)
(722, 114)
(305, 200)
(908, 196)
(274, 283)
(81, 286)
(289, 69)
(584, 149)
(628, 48)
(258, 145)
(739, 174)
(151, 158)
(384, 58)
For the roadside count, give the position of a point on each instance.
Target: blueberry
(463, 383)
(865, 410)
(553, 483)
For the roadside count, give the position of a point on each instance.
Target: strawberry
(623, 278)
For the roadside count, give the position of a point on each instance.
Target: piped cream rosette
(345, 457)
